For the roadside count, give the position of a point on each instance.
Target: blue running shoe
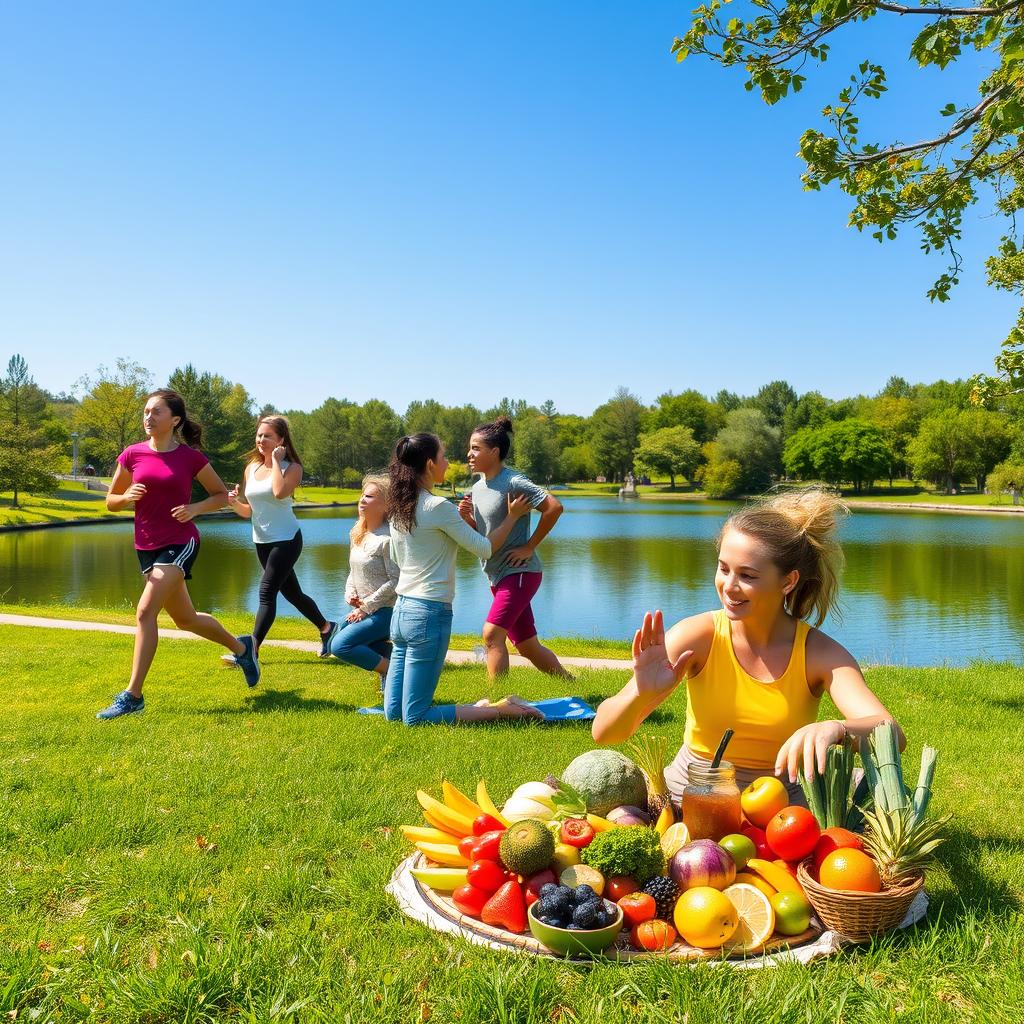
(248, 661)
(124, 704)
(326, 638)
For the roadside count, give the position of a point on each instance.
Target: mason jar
(711, 801)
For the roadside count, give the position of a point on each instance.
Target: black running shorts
(182, 555)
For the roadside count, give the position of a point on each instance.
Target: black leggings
(278, 561)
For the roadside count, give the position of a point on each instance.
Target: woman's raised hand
(279, 453)
(518, 506)
(652, 670)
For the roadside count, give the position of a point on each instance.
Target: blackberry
(583, 894)
(665, 892)
(585, 915)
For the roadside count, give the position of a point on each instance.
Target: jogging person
(156, 476)
(264, 496)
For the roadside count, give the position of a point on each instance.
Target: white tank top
(272, 518)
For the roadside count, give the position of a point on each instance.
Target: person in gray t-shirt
(514, 570)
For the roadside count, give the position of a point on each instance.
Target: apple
(760, 840)
(763, 799)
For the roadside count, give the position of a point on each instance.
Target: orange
(852, 870)
(705, 917)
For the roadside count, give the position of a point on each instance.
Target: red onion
(703, 862)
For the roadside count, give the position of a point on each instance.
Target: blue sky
(459, 201)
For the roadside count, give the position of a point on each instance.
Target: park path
(454, 657)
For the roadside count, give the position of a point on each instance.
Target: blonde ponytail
(798, 529)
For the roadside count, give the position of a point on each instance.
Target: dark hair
(497, 435)
(190, 431)
(407, 466)
(280, 427)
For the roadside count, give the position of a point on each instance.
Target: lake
(919, 588)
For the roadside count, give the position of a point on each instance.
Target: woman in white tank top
(265, 497)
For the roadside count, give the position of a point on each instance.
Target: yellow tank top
(763, 715)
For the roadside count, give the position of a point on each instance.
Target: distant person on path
(755, 665)
(426, 533)
(269, 479)
(156, 475)
(362, 639)
(514, 570)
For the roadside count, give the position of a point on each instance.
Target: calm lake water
(919, 588)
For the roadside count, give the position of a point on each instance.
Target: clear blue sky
(456, 200)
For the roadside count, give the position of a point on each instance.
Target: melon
(606, 779)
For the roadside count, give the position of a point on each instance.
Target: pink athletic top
(168, 478)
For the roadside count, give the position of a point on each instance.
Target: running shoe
(229, 660)
(123, 704)
(326, 638)
(248, 661)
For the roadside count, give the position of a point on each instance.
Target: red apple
(760, 840)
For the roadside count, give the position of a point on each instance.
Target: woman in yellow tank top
(755, 665)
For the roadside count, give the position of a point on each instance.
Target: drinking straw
(717, 759)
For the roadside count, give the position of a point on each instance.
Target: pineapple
(649, 752)
(898, 836)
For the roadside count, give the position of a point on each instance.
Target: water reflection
(919, 588)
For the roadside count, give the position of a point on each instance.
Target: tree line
(725, 445)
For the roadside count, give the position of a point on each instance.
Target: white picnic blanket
(407, 894)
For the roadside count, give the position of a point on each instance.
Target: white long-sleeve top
(426, 557)
(372, 572)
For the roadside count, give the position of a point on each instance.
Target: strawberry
(506, 908)
(470, 900)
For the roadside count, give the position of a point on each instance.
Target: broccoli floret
(632, 850)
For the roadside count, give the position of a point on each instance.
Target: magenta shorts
(511, 606)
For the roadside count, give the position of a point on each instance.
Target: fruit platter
(599, 862)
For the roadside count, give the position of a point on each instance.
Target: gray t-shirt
(490, 506)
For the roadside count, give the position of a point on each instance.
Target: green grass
(224, 855)
(71, 502)
(287, 628)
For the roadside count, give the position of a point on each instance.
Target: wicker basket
(859, 915)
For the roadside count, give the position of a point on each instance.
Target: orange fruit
(852, 870)
(705, 917)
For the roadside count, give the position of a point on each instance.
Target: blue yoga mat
(554, 709)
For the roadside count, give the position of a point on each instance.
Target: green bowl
(576, 943)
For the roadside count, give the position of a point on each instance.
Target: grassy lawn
(223, 856)
(71, 501)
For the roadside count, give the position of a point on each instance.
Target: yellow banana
(487, 804)
(419, 834)
(665, 820)
(443, 817)
(459, 802)
(443, 853)
(600, 824)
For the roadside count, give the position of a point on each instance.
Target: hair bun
(504, 423)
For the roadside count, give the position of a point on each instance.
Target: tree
(615, 433)
(110, 414)
(953, 443)
(29, 460)
(689, 409)
(376, 428)
(720, 477)
(670, 450)
(773, 400)
(537, 448)
(749, 440)
(577, 462)
(456, 473)
(850, 449)
(929, 184)
(455, 427)
(1007, 476)
(423, 417)
(327, 440)
(899, 419)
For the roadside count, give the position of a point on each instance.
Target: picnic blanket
(554, 709)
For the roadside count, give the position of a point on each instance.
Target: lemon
(756, 917)
(705, 917)
(675, 838)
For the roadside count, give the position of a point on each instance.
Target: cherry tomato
(618, 886)
(470, 900)
(486, 847)
(793, 833)
(486, 823)
(576, 832)
(638, 907)
(488, 875)
(466, 846)
(654, 935)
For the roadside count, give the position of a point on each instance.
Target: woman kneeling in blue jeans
(426, 533)
(362, 639)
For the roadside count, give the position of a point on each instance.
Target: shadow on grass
(1006, 703)
(962, 856)
(277, 700)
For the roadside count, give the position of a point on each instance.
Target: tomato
(486, 847)
(638, 907)
(486, 823)
(792, 833)
(835, 839)
(763, 799)
(618, 886)
(488, 875)
(757, 837)
(653, 935)
(467, 844)
(470, 900)
(576, 832)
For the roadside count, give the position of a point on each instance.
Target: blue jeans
(420, 631)
(352, 642)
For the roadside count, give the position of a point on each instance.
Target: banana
(441, 879)
(665, 820)
(443, 817)
(600, 824)
(487, 804)
(443, 853)
(419, 834)
(459, 802)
